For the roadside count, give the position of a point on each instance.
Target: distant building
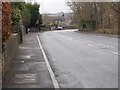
(54, 19)
(57, 19)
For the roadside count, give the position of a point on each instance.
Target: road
(82, 60)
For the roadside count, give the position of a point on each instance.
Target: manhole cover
(25, 79)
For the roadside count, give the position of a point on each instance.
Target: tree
(34, 11)
(40, 19)
(96, 15)
(17, 8)
(26, 18)
(26, 14)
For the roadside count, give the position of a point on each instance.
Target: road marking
(92, 45)
(56, 85)
(90, 41)
(70, 38)
(81, 42)
(99, 36)
(116, 53)
(114, 38)
(106, 45)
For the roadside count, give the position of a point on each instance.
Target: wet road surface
(82, 60)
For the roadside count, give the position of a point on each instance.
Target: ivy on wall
(6, 20)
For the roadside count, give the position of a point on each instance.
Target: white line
(70, 38)
(56, 85)
(99, 36)
(114, 38)
(81, 42)
(116, 53)
(106, 45)
(90, 41)
(92, 45)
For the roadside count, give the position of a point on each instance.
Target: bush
(107, 31)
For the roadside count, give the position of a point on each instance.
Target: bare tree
(96, 15)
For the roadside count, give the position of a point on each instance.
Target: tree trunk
(26, 30)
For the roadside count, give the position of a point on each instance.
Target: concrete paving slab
(25, 78)
(29, 69)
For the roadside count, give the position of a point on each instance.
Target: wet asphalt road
(82, 60)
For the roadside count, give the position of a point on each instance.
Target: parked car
(59, 28)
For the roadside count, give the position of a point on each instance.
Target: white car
(59, 28)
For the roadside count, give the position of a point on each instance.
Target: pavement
(81, 60)
(29, 69)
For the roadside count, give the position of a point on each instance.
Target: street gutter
(55, 83)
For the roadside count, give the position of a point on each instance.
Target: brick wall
(9, 53)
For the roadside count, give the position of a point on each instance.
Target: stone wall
(9, 52)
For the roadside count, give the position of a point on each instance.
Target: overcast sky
(52, 6)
